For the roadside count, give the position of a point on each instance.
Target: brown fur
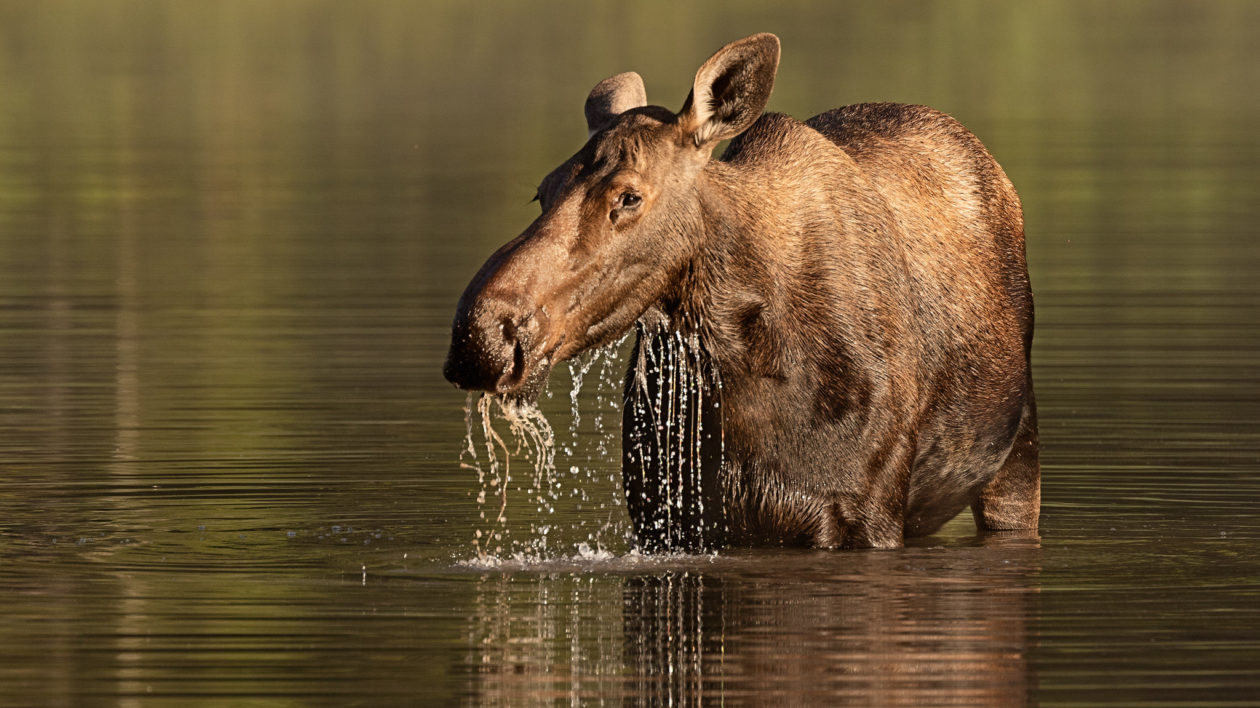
(856, 283)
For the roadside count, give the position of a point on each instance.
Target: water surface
(231, 240)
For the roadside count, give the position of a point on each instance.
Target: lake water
(231, 240)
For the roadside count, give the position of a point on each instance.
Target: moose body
(848, 295)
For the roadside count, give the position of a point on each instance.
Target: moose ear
(612, 97)
(731, 89)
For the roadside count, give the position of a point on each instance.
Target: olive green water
(231, 241)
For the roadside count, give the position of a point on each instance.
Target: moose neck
(727, 280)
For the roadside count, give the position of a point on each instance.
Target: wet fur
(863, 292)
(851, 290)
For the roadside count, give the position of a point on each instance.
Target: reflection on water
(931, 626)
(231, 239)
(555, 635)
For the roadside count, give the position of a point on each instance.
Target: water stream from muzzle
(525, 470)
(512, 447)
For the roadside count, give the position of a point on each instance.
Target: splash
(544, 496)
(532, 434)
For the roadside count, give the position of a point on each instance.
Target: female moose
(855, 282)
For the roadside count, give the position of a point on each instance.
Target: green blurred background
(232, 235)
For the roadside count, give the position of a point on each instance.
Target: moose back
(836, 314)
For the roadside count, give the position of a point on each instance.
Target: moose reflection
(924, 628)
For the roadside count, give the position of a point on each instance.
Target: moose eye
(628, 200)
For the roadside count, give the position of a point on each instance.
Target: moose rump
(847, 298)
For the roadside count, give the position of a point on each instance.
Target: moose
(847, 297)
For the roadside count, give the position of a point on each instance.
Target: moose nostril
(493, 354)
(514, 373)
(512, 328)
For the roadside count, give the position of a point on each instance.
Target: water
(231, 240)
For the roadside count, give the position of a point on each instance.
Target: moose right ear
(612, 97)
(731, 89)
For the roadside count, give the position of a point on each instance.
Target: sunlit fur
(855, 282)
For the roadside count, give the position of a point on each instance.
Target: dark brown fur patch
(844, 390)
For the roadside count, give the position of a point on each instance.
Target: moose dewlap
(834, 318)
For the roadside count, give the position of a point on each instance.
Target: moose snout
(504, 335)
(490, 347)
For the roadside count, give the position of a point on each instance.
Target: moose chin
(850, 293)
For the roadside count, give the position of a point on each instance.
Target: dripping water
(677, 446)
(532, 434)
(525, 469)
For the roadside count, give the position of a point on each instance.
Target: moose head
(621, 225)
